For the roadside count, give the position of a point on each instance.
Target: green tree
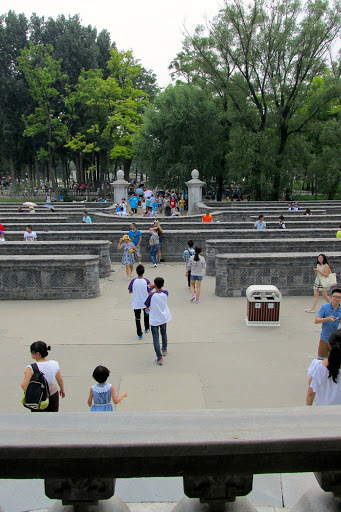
(42, 73)
(268, 54)
(111, 112)
(14, 94)
(181, 132)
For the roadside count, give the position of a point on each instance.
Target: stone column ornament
(120, 187)
(194, 190)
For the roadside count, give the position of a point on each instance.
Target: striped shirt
(188, 253)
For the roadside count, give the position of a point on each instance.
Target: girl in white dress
(322, 269)
(324, 385)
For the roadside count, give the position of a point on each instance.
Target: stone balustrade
(124, 225)
(49, 277)
(217, 452)
(175, 242)
(292, 273)
(280, 204)
(23, 220)
(98, 248)
(81, 205)
(274, 245)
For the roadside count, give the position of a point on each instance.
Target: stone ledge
(221, 441)
(291, 272)
(261, 245)
(98, 248)
(49, 277)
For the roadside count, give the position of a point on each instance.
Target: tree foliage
(67, 95)
(181, 132)
(261, 60)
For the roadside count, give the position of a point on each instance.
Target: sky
(152, 29)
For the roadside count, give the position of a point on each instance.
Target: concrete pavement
(214, 361)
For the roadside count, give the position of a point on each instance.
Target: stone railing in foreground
(217, 452)
(49, 277)
(292, 273)
(271, 245)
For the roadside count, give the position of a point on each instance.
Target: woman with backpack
(51, 371)
(196, 265)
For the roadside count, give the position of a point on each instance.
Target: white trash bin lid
(263, 292)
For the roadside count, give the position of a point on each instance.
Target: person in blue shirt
(260, 224)
(86, 218)
(136, 238)
(133, 200)
(154, 208)
(329, 316)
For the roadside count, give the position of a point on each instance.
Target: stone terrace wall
(291, 272)
(174, 242)
(49, 277)
(98, 248)
(260, 204)
(276, 245)
(311, 223)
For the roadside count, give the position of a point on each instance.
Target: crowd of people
(150, 303)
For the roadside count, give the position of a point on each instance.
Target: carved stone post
(318, 500)
(216, 494)
(84, 495)
(194, 505)
(194, 190)
(120, 187)
(113, 505)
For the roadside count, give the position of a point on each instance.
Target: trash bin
(263, 304)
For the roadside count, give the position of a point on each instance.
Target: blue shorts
(160, 243)
(197, 278)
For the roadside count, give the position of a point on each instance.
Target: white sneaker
(310, 310)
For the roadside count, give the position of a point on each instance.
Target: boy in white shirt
(29, 235)
(2, 236)
(140, 288)
(159, 316)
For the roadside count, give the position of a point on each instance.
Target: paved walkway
(214, 361)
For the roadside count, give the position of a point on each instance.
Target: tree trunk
(126, 168)
(52, 175)
(220, 187)
(36, 168)
(12, 169)
(279, 161)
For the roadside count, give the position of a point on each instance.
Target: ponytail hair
(41, 347)
(334, 358)
(197, 252)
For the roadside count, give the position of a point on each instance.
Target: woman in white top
(324, 385)
(196, 264)
(50, 369)
(322, 269)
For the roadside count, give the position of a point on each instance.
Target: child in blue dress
(103, 392)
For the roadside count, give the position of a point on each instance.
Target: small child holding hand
(103, 392)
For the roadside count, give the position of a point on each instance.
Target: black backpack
(37, 394)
